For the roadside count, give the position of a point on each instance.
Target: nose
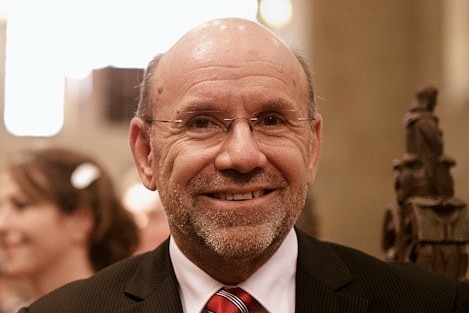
(7, 212)
(240, 149)
(4, 216)
(230, 122)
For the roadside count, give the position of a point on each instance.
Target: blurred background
(70, 70)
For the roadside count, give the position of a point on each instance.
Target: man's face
(239, 193)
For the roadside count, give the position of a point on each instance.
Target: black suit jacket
(330, 278)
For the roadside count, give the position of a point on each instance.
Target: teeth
(240, 196)
(257, 194)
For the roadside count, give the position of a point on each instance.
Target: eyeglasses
(209, 125)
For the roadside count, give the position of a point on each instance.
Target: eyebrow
(280, 103)
(199, 107)
(269, 104)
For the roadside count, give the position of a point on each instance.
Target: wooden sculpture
(427, 225)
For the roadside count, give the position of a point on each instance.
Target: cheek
(181, 161)
(45, 222)
(290, 160)
(36, 222)
(49, 230)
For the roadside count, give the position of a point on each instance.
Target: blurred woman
(60, 219)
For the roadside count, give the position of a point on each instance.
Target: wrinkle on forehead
(225, 44)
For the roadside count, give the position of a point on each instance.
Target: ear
(141, 150)
(315, 148)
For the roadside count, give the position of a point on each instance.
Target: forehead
(228, 60)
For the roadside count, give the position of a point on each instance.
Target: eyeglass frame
(226, 121)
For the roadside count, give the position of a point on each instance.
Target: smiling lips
(239, 196)
(11, 242)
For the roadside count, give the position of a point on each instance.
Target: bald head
(227, 44)
(242, 40)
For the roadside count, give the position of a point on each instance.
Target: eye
(203, 123)
(21, 205)
(270, 119)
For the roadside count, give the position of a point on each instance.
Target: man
(227, 132)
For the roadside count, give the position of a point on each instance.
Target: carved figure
(424, 138)
(428, 225)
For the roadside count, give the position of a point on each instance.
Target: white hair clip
(84, 175)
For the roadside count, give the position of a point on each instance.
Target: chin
(244, 242)
(11, 271)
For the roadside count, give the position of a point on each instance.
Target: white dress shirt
(273, 284)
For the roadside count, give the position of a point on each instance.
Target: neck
(53, 276)
(228, 270)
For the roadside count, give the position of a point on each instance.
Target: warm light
(48, 40)
(456, 52)
(128, 33)
(34, 82)
(139, 199)
(275, 13)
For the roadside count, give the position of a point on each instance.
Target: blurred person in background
(149, 214)
(60, 219)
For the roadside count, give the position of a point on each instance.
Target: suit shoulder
(103, 292)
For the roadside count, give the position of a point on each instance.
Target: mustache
(230, 177)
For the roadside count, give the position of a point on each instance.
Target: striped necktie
(233, 300)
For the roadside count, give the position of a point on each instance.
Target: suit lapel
(154, 286)
(320, 276)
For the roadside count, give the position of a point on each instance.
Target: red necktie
(233, 300)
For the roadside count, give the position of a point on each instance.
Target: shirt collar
(273, 284)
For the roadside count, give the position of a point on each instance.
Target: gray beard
(229, 233)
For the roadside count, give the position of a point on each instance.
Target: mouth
(240, 196)
(11, 242)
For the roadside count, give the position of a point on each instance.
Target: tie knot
(232, 300)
